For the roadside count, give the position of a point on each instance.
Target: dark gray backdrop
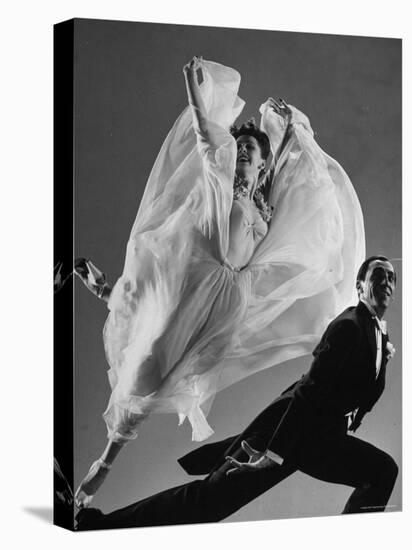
(129, 90)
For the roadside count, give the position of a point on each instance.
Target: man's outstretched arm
(93, 279)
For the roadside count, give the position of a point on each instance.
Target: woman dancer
(219, 283)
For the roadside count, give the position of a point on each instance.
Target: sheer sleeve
(317, 222)
(275, 127)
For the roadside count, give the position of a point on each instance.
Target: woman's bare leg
(97, 474)
(100, 468)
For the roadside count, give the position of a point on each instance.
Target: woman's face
(249, 161)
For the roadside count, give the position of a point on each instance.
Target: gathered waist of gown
(225, 263)
(249, 266)
(230, 266)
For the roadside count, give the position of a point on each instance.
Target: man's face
(249, 160)
(379, 284)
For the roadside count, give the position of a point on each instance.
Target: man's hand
(60, 276)
(257, 461)
(280, 108)
(92, 278)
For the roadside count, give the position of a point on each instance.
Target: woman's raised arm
(278, 133)
(194, 96)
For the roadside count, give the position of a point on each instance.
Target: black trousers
(341, 459)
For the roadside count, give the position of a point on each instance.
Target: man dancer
(304, 429)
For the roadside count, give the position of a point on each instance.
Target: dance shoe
(91, 483)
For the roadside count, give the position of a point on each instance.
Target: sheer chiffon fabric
(183, 322)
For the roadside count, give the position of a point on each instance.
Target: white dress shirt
(380, 328)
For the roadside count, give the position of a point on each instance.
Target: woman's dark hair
(250, 129)
(364, 267)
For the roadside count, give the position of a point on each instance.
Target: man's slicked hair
(364, 267)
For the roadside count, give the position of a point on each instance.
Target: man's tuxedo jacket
(342, 378)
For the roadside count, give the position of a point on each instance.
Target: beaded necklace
(240, 190)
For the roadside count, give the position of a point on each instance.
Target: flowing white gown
(184, 323)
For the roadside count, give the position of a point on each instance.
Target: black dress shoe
(88, 519)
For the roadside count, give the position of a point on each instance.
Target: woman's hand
(280, 108)
(194, 95)
(194, 64)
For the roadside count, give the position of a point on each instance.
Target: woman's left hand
(281, 108)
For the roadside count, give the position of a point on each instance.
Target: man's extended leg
(348, 460)
(209, 500)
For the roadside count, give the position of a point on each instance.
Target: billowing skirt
(184, 364)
